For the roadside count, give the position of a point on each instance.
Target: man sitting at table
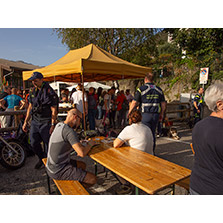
(62, 142)
(136, 135)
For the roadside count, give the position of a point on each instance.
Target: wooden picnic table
(147, 172)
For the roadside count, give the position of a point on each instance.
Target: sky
(38, 46)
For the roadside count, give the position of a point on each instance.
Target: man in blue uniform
(152, 103)
(43, 108)
(198, 102)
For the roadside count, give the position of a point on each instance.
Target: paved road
(27, 180)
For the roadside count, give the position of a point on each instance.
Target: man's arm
(81, 150)
(22, 105)
(53, 118)
(106, 104)
(117, 143)
(163, 109)
(2, 103)
(195, 105)
(133, 105)
(28, 116)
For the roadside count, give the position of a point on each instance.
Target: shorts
(69, 172)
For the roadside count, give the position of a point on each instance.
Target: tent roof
(96, 64)
(94, 84)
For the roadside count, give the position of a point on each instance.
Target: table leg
(95, 168)
(136, 190)
(173, 191)
(48, 182)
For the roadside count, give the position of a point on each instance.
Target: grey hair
(213, 94)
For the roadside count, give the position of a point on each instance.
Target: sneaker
(39, 164)
(124, 190)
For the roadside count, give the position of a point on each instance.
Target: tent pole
(82, 82)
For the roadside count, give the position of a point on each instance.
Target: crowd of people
(137, 118)
(100, 104)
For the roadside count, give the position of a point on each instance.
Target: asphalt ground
(29, 181)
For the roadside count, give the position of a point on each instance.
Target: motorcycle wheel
(9, 159)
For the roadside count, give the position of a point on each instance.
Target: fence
(180, 111)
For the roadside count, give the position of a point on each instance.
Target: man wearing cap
(43, 108)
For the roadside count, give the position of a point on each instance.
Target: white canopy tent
(94, 84)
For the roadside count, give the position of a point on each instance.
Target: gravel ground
(27, 180)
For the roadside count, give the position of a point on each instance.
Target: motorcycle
(12, 153)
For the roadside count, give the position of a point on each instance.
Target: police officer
(198, 102)
(152, 103)
(43, 108)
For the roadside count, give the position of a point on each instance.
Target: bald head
(74, 111)
(74, 117)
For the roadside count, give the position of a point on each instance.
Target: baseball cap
(36, 75)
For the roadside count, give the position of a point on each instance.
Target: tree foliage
(137, 45)
(201, 44)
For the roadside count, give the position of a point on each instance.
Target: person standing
(112, 110)
(77, 99)
(6, 91)
(207, 139)
(100, 103)
(12, 101)
(128, 95)
(151, 100)
(92, 108)
(122, 104)
(43, 108)
(198, 102)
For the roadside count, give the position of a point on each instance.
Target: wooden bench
(67, 187)
(185, 183)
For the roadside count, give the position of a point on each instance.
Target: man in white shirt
(77, 99)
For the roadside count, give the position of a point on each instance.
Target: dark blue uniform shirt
(149, 96)
(42, 100)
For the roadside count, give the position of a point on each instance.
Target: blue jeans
(151, 120)
(40, 132)
(91, 118)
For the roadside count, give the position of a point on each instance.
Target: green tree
(201, 44)
(136, 45)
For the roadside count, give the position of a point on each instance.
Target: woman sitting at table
(136, 135)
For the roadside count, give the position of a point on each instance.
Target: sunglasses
(79, 117)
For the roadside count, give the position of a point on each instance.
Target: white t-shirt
(77, 99)
(138, 136)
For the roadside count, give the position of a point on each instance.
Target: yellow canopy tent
(94, 63)
(90, 63)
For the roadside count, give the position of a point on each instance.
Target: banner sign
(204, 75)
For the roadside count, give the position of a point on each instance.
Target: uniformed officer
(198, 102)
(43, 108)
(152, 103)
